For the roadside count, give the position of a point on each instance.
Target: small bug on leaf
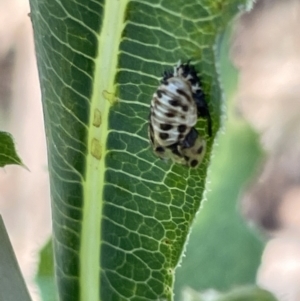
(175, 107)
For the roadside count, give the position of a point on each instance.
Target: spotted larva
(175, 108)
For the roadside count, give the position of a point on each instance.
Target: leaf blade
(113, 201)
(8, 154)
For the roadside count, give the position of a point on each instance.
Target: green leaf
(47, 288)
(44, 278)
(120, 215)
(12, 284)
(247, 293)
(8, 154)
(223, 252)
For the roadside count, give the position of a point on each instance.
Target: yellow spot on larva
(96, 149)
(111, 97)
(97, 118)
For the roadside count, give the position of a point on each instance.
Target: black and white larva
(175, 107)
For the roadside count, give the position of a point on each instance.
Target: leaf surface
(223, 251)
(121, 216)
(8, 154)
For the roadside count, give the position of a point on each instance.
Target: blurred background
(248, 230)
(24, 194)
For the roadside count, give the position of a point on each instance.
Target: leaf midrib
(103, 96)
